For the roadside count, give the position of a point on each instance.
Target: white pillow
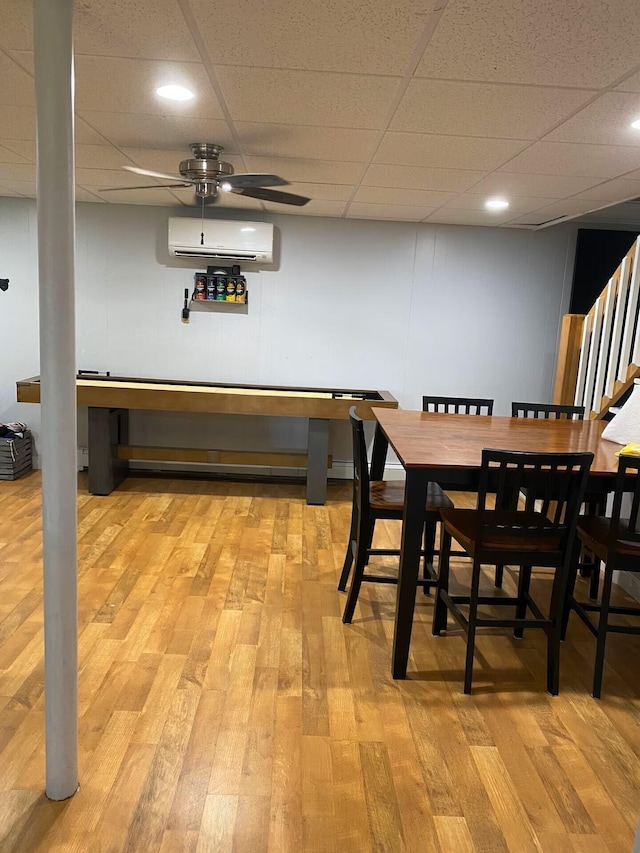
(624, 427)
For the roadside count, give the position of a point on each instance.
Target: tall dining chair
(518, 534)
(380, 499)
(547, 411)
(615, 541)
(458, 405)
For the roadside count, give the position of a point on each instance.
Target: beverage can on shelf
(221, 288)
(241, 289)
(211, 287)
(231, 290)
(200, 290)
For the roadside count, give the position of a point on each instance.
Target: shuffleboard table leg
(317, 455)
(107, 429)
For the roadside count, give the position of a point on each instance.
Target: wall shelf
(219, 306)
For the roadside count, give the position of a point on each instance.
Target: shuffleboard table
(111, 398)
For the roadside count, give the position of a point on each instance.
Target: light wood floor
(224, 706)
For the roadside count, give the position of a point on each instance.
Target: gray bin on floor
(15, 457)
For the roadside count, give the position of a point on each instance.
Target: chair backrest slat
(547, 411)
(458, 405)
(360, 468)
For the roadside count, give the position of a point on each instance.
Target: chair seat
(462, 524)
(594, 532)
(389, 496)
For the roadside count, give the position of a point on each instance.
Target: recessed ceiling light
(496, 204)
(636, 124)
(174, 93)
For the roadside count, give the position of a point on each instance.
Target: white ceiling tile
(517, 205)
(307, 171)
(316, 207)
(150, 196)
(366, 37)
(567, 158)
(568, 207)
(123, 28)
(17, 86)
(544, 186)
(406, 197)
(17, 122)
(14, 152)
(16, 29)
(290, 140)
(25, 188)
(631, 84)
(108, 84)
(449, 216)
(572, 43)
(446, 152)
(6, 192)
(170, 132)
(86, 134)
(620, 214)
(306, 97)
(408, 213)
(414, 177)
(484, 109)
(320, 192)
(605, 121)
(83, 194)
(17, 172)
(619, 189)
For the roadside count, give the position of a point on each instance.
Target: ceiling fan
(209, 175)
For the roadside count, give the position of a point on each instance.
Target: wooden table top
(436, 440)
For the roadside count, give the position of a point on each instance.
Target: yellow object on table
(629, 450)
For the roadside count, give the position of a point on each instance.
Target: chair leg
(429, 549)
(471, 628)
(346, 568)
(571, 585)
(362, 552)
(594, 581)
(498, 577)
(601, 639)
(524, 582)
(440, 608)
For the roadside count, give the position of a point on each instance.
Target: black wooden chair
(547, 411)
(615, 541)
(517, 534)
(374, 499)
(458, 405)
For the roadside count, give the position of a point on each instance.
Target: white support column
(53, 49)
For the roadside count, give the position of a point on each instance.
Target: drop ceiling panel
(132, 29)
(544, 42)
(306, 171)
(17, 85)
(568, 207)
(16, 29)
(407, 213)
(566, 158)
(448, 216)
(163, 132)
(615, 190)
(367, 36)
(111, 178)
(484, 109)
(606, 121)
(108, 84)
(17, 172)
(5, 191)
(17, 122)
(320, 192)
(290, 140)
(446, 152)
(316, 207)
(153, 197)
(415, 177)
(11, 153)
(306, 97)
(517, 205)
(391, 195)
(631, 84)
(545, 186)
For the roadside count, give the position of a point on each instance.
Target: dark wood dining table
(447, 449)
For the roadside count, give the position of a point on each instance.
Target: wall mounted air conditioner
(221, 240)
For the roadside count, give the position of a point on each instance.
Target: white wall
(410, 308)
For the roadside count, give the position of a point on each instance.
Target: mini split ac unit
(221, 240)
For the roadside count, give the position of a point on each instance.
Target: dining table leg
(415, 497)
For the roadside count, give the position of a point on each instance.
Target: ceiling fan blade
(150, 174)
(271, 195)
(251, 179)
(147, 187)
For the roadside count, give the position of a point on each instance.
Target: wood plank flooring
(224, 706)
